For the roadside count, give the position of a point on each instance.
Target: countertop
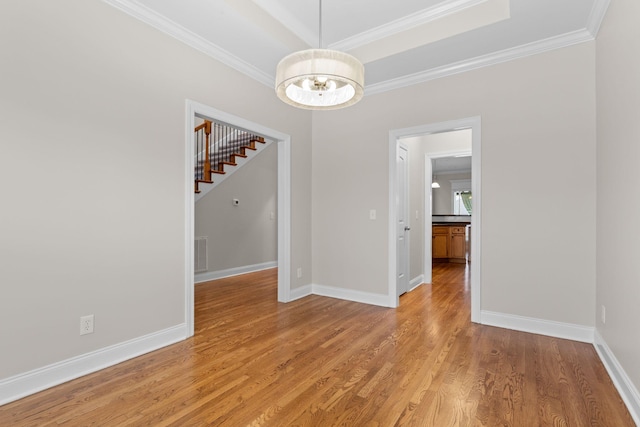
(450, 219)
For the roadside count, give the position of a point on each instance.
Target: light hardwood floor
(323, 362)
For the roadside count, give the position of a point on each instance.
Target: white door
(402, 209)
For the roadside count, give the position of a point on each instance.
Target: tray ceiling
(401, 42)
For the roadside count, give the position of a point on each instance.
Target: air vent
(200, 255)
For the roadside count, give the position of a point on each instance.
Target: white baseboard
(351, 295)
(301, 292)
(339, 293)
(214, 275)
(550, 328)
(21, 385)
(621, 380)
(416, 282)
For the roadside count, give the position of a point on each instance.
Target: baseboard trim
(301, 292)
(416, 282)
(351, 295)
(621, 380)
(22, 385)
(550, 328)
(339, 293)
(236, 271)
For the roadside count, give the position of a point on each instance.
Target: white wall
(442, 197)
(538, 125)
(618, 277)
(242, 235)
(93, 113)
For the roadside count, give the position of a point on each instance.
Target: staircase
(220, 151)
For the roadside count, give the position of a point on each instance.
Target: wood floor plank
(320, 361)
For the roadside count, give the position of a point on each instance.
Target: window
(462, 202)
(461, 196)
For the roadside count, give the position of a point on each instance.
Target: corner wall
(618, 205)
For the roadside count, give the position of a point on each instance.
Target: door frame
(283, 142)
(473, 123)
(427, 262)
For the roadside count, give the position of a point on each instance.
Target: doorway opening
(283, 141)
(395, 137)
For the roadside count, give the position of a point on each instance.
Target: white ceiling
(401, 42)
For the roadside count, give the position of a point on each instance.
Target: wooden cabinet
(440, 242)
(449, 243)
(458, 247)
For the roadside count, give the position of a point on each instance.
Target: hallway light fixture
(320, 79)
(434, 183)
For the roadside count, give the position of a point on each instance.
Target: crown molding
(405, 23)
(173, 29)
(552, 43)
(596, 16)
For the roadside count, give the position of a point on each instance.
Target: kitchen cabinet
(440, 242)
(449, 243)
(458, 247)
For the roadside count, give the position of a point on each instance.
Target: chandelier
(320, 79)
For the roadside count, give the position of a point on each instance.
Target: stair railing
(203, 146)
(218, 145)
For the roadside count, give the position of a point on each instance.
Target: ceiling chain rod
(320, 27)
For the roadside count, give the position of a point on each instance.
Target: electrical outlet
(603, 312)
(236, 202)
(299, 272)
(86, 324)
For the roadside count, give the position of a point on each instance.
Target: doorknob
(407, 228)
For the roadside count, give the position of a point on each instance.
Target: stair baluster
(218, 147)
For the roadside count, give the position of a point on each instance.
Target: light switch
(372, 214)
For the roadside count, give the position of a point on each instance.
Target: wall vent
(200, 255)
